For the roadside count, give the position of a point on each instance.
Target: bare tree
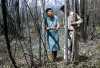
(4, 12)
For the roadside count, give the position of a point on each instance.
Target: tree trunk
(84, 17)
(4, 12)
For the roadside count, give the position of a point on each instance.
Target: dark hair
(62, 8)
(48, 9)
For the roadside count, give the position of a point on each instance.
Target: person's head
(62, 8)
(49, 12)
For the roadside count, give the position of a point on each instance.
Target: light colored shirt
(71, 20)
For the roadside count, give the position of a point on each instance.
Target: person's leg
(54, 53)
(71, 45)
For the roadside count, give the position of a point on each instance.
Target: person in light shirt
(74, 21)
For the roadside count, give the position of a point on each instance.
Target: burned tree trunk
(4, 12)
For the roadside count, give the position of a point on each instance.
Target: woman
(52, 26)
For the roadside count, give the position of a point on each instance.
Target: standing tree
(4, 12)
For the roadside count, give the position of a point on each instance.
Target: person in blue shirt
(52, 26)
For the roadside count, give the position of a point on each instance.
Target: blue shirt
(52, 35)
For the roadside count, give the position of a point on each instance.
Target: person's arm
(79, 20)
(58, 26)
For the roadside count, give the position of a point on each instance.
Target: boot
(50, 57)
(54, 53)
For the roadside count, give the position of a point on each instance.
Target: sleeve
(79, 20)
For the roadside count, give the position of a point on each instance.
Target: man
(74, 21)
(52, 26)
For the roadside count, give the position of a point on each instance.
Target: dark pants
(54, 53)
